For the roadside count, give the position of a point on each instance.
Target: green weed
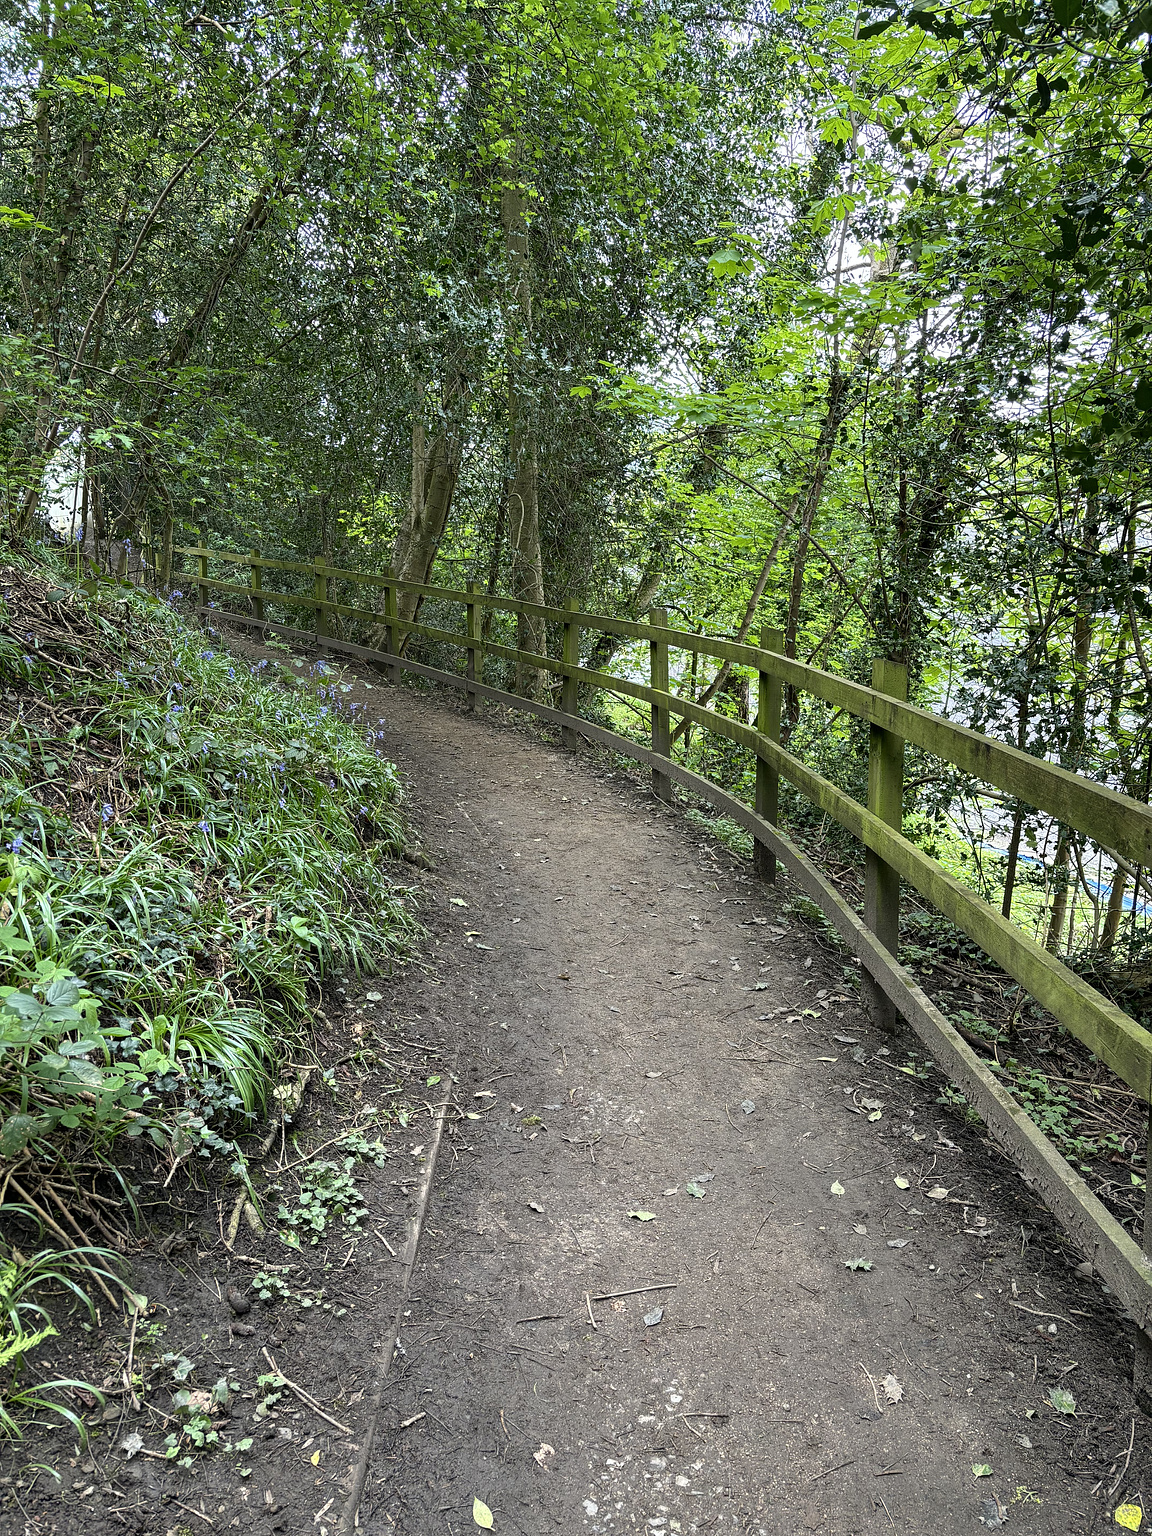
(724, 830)
(327, 1191)
(25, 1325)
(161, 934)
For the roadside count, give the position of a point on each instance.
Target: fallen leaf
(131, 1444)
(846, 1039)
(532, 1206)
(653, 1074)
(695, 1191)
(826, 1058)
(871, 1103)
(981, 1469)
(1062, 1400)
(541, 1456)
(994, 1514)
(893, 1391)
(748, 1106)
(875, 1115)
(655, 1316)
(642, 1215)
(899, 1242)
(836, 1188)
(939, 1193)
(901, 1182)
(857, 1263)
(315, 1458)
(1129, 1516)
(860, 1230)
(374, 997)
(482, 1514)
(457, 901)
(675, 1190)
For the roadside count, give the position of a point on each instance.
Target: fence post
(661, 717)
(203, 577)
(257, 584)
(320, 595)
(886, 800)
(475, 664)
(569, 687)
(390, 627)
(769, 696)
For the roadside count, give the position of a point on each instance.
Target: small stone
(1085, 1270)
(243, 1330)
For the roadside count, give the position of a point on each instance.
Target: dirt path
(673, 1086)
(642, 1028)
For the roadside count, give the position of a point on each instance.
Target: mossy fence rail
(1120, 824)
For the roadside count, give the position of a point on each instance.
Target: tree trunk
(837, 409)
(1081, 648)
(434, 476)
(524, 494)
(1114, 914)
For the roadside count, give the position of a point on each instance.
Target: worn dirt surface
(854, 1306)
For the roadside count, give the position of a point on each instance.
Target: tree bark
(835, 412)
(1081, 649)
(527, 563)
(434, 476)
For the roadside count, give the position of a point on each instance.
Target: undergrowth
(187, 848)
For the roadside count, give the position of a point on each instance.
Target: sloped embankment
(188, 847)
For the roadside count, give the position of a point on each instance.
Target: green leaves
(1062, 1400)
(729, 263)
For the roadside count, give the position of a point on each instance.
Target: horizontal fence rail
(1121, 825)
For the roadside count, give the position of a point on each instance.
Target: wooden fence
(1121, 825)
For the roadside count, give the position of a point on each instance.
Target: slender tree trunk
(434, 476)
(1081, 649)
(494, 557)
(524, 493)
(1023, 711)
(1114, 913)
(835, 412)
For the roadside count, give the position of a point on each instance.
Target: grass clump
(186, 850)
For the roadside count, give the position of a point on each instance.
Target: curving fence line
(1120, 824)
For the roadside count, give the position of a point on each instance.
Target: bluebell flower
(107, 814)
(17, 843)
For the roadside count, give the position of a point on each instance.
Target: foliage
(327, 1191)
(25, 1325)
(189, 851)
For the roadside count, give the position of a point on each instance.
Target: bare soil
(674, 1085)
